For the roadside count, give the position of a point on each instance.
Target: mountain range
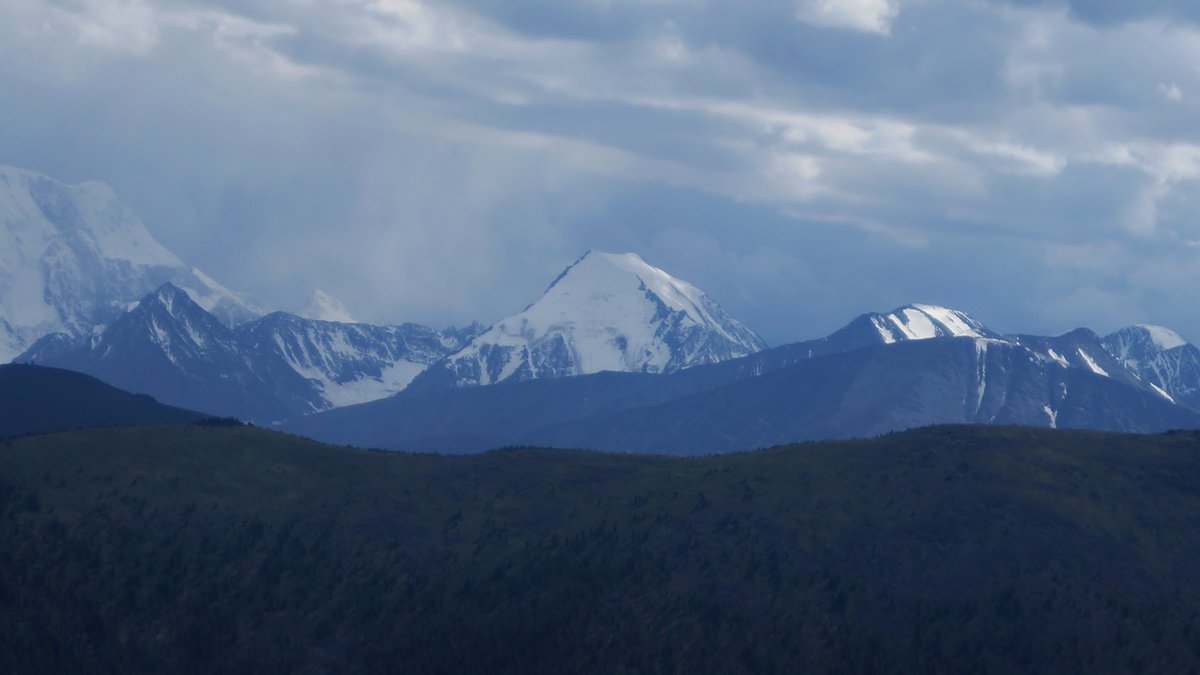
(629, 317)
(73, 257)
(616, 354)
(273, 368)
(916, 366)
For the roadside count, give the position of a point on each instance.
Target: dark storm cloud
(803, 161)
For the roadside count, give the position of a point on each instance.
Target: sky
(1033, 163)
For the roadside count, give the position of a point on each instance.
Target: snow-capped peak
(324, 307)
(37, 205)
(1142, 341)
(169, 296)
(73, 257)
(598, 273)
(1161, 358)
(1161, 337)
(924, 322)
(605, 312)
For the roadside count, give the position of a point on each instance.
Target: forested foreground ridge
(947, 549)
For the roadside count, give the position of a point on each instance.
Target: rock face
(73, 257)
(273, 368)
(1162, 358)
(343, 363)
(605, 312)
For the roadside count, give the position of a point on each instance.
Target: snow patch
(1091, 363)
(981, 350)
(1163, 338)
(955, 322)
(1160, 391)
(924, 322)
(1062, 360)
(1053, 415)
(914, 324)
(884, 332)
(392, 380)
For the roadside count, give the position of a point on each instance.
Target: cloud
(130, 26)
(440, 161)
(1106, 13)
(1170, 91)
(871, 16)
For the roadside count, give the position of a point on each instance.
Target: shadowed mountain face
(859, 392)
(270, 369)
(34, 399)
(877, 390)
(943, 550)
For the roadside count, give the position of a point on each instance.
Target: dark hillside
(947, 549)
(36, 399)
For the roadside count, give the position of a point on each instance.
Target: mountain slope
(903, 324)
(277, 367)
(1162, 359)
(474, 419)
(877, 390)
(605, 312)
(171, 348)
(777, 396)
(35, 399)
(72, 256)
(343, 363)
(1082, 348)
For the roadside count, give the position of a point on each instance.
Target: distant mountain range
(916, 366)
(605, 312)
(267, 370)
(616, 354)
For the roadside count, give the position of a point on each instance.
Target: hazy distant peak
(73, 256)
(322, 306)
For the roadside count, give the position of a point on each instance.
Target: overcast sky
(803, 161)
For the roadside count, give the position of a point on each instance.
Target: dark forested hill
(34, 399)
(946, 549)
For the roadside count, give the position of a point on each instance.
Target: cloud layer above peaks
(1032, 162)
